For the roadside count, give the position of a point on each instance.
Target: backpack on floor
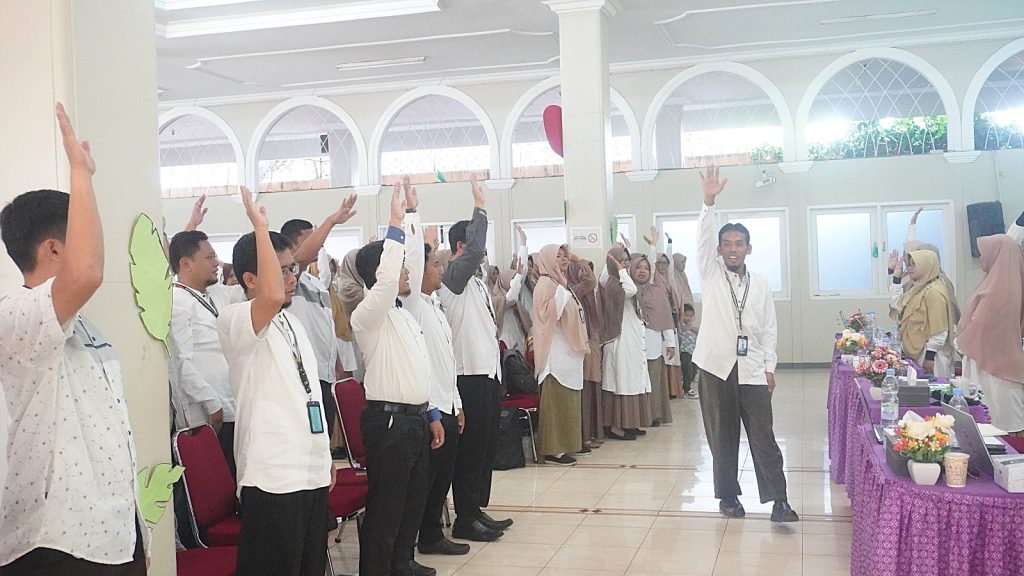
(509, 453)
(516, 373)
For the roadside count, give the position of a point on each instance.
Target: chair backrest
(208, 483)
(350, 398)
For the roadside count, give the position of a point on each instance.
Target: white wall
(806, 324)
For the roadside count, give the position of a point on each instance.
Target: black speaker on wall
(984, 219)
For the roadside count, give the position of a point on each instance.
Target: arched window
(876, 107)
(532, 156)
(308, 147)
(999, 109)
(198, 155)
(435, 138)
(717, 116)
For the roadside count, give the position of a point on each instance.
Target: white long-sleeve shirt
(426, 309)
(390, 338)
(716, 347)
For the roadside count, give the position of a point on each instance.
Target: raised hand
(625, 241)
(431, 236)
(397, 206)
(652, 240)
(79, 153)
(412, 198)
(198, 214)
(347, 209)
(257, 214)
(668, 238)
(913, 219)
(478, 194)
(711, 185)
(522, 235)
(897, 264)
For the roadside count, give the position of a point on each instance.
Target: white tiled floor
(647, 507)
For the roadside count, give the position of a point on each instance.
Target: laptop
(878, 430)
(969, 437)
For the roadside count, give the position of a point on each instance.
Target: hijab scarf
(545, 319)
(653, 299)
(924, 309)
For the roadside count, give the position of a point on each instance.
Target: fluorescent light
(367, 64)
(870, 17)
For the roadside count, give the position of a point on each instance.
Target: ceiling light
(367, 64)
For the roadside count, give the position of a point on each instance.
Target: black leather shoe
(613, 436)
(414, 568)
(637, 431)
(475, 531)
(496, 525)
(782, 512)
(444, 547)
(732, 508)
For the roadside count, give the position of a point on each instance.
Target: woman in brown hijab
(626, 383)
(663, 277)
(583, 284)
(660, 335)
(511, 317)
(560, 344)
(991, 331)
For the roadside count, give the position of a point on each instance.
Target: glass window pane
(684, 241)
(338, 244)
(929, 228)
(309, 148)
(766, 241)
(844, 252)
(196, 158)
(223, 245)
(625, 228)
(540, 234)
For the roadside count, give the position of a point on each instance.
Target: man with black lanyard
(737, 359)
(394, 422)
(281, 446)
(200, 389)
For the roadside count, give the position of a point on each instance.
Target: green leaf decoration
(440, 176)
(155, 490)
(615, 230)
(151, 278)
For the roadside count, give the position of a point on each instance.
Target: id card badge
(741, 345)
(316, 419)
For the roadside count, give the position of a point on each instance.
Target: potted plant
(849, 344)
(924, 443)
(880, 358)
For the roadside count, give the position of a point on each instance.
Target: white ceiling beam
(169, 5)
(348, 12)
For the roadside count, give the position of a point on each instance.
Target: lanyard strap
(209, 305)
(487, 298)
(739, 305)
(293, 344)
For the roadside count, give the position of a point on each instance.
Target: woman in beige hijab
(991, 331)
(660, 334)
(926, 325)
(560, 344)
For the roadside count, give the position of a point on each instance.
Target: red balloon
(553, 127)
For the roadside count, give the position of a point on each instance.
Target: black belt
(397, 408)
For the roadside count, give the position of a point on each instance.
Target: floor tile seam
(624, 512)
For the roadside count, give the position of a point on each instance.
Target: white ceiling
(233, 48)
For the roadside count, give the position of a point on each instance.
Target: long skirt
(661, 410)
(626, 411)
(560, 426)
(593, 410)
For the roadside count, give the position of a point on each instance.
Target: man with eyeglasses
(282, 449)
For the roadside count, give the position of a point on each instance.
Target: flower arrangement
(924, 440)
(858, 321)
(880, 358)
(851, 342)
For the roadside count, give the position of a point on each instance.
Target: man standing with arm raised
(737, 358)
(467, 302)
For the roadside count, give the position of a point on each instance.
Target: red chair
(218, 561)
(350, 398)
(209, 488)
(527, 405)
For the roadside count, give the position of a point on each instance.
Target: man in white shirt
(281, 446)
(396, 434)
(70, 502)
(737, 359)
(467, 303)
(312, 304)
(200, 388)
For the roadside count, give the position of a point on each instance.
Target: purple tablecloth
(901, 529)
(846, 413)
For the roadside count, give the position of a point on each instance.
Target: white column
(99, 58)
(586, 118)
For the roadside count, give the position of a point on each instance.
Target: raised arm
(707, 243)
(380, 299)
(414, 249)
(269, 288)
(912, 227)
(461, 269)
(195, 220)
(307, 252)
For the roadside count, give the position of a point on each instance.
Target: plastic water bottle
(869, 329)
(897, 345)
(958, 401)
(890, 399)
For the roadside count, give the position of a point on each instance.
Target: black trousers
(689, 370)
(49, 562)
(442, 468)
(226, 436)
(397, 468)
(723, 405)
(330, 408)
(471, 485)
(283, 534)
